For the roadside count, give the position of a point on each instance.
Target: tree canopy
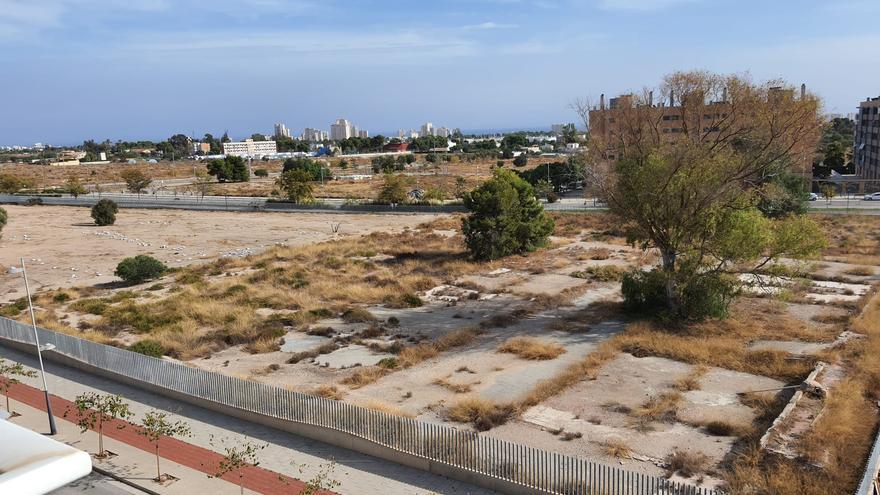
(694, 195)
(315, 169)
(229, 169)
(505, 218)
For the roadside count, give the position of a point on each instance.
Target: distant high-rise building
(314, 135)
(866, 147)
(442, 132)
(281, 130)
(427, 129)
(343, 129)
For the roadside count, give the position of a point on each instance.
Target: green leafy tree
(505, 218)
(521, 160)
(236, 457)
(155, 425)
(8, 373)
(93, 410)
(296, 185)
(74, 187)
(316, 170)
(261, 172)
(229, 169)
(321, 481)
(135, 180)
(104, 212)
(393, 190)
(140, 269)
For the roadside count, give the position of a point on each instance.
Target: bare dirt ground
(63, 248)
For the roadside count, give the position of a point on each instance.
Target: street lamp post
(52, 429)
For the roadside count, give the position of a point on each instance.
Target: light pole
(52, 429)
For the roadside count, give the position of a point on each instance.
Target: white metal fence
(464, 452)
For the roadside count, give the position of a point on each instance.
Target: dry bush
(585, 369)
(601, 273)
(596, 254)
(531, 348)
(312, 353)
(691, 381)
(387, 408)
(616, 447)
(329, 392)
(457, 388)
(831, 318)
(663, 407)
(413, 355)
(860, 271)
(726, 429)
(481, 413)
(686, 463)
(263, 345)
(358, 315)
(364, 376)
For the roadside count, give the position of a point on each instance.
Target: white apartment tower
(250, 148)
(343, 129)
(281, 130)
(314, 135)
(427, 129)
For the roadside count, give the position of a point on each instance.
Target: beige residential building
(249, 148)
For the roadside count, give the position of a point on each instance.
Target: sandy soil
(63, 248)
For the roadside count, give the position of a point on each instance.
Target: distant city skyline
(148, 69)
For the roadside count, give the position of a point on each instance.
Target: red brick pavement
(192, 456)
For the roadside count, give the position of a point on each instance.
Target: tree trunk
(158, 469)
(669, 271)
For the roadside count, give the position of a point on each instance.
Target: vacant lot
(534, 348)
(63, 247)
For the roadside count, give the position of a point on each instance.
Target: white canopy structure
(31, 463)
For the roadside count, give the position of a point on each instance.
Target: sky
(147, 69)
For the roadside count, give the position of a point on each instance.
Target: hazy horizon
(147, 69)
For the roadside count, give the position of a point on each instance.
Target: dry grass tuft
(586, 369)
(329, 392)
(364, 376)
(263, 345)
(481, 413)
(686, 463)
(616, 447)
(860, 271)
(413, 355)
(663, 407)
(692, 380)
(531, 348)
(387, 408)
(458, 388)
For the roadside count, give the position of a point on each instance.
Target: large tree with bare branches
(686, 171)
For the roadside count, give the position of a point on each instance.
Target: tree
(202, 184)
(521, 160)
(692, 194)
(460, 187)
(8, 372)
(505, 218)
(296, 185)
(236, 457)
(104, 212)
(393, 190)
(229, 169)
(321, 481)
(316, 170)
(135, 180)
(4, 217)
(93, 410)
(155, 425)
(74, 187)
(140, 269)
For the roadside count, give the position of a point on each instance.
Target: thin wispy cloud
(485, 26)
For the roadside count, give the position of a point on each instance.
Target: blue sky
(78, 69)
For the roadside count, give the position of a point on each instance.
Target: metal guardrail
(537, 470)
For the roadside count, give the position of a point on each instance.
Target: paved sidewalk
(285, 453)
(134, 457)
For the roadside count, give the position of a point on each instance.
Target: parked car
(814, 197)
(872, 197)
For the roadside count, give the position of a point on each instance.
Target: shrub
(602, 273)
(521, 160)
(686, 463)
(90, 306)
(481, 413)
(61, 297)
(388, 363)
(148, 347)
(140, 269)
(700, 296)
(531, 348)
(358, 315)
(411, 300)
(505, 218)
(261, 172)
(104, 212)
(3, 218)
(393, 190)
